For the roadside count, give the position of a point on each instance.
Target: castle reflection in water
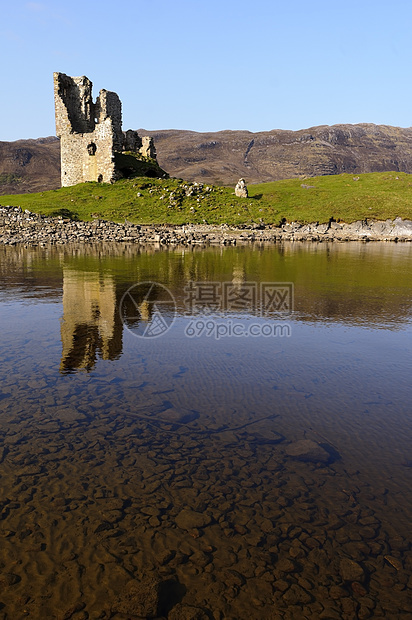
(355, 284)
(91, 327)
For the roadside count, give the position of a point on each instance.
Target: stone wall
(91, 133)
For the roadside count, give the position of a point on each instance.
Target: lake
(219, 432)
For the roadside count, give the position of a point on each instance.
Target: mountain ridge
(279, 154)
(223, 157)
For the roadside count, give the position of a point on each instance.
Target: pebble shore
(18, 226)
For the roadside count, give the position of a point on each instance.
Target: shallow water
(150, 476)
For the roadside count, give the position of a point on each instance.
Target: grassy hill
(344, 197)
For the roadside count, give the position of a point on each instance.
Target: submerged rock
(139, 599)
(9, 579)
(190, 519)
(350, 570)
(187, 612)
(308, 451)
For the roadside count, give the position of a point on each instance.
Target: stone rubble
(17, 226)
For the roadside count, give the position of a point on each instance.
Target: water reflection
(353, 284)
(147, 309)
(91, 325)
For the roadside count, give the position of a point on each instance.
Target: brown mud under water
(193, 524)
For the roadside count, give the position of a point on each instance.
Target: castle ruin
(91, 136)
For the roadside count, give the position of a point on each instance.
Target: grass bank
(343, 197)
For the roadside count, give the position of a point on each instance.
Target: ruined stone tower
(91, 137)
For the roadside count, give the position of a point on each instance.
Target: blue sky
(207, 66)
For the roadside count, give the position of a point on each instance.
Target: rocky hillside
(225, 156)
(29, 165)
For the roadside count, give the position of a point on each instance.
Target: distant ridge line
(223, 157)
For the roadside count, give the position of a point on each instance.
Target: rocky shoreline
(25, 227)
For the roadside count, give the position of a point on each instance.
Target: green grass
(379, 196)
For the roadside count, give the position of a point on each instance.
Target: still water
(149, 435)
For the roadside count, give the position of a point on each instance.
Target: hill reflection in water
(353, 284)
